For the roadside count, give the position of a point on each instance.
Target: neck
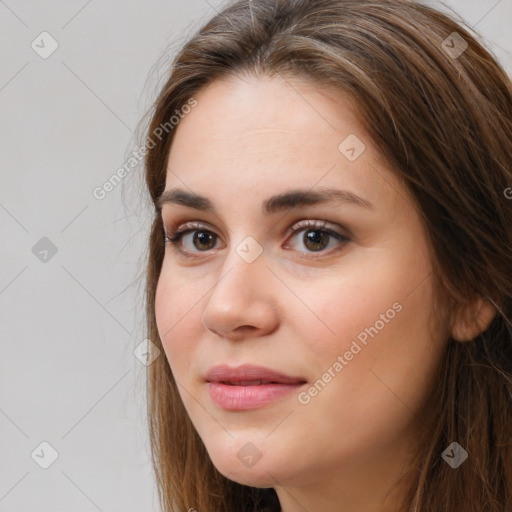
(377, 483)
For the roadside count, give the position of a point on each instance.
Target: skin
(345, 450)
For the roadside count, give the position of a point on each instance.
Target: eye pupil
(204, 237)
(316, 237)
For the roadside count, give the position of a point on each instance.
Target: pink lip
(235, 389)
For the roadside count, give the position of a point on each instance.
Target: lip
(248, 386)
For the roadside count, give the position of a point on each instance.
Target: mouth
(248, 386)
(249, 382)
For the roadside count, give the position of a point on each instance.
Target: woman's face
(331, 290)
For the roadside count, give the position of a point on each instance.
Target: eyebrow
(274, 204)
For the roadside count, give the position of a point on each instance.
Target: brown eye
(316, 237)
(202, 240)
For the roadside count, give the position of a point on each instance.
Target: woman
(330, 263)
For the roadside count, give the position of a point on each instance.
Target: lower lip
(243, 398)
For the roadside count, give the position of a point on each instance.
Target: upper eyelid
(296, 226)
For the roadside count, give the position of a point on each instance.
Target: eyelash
(177, 233)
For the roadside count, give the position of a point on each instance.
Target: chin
(247, 466)
(259, 477)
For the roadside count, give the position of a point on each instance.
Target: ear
(472, 319)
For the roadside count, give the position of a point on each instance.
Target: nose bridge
(240, 298)
(245, 264)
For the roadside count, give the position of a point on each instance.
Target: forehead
(244, 108)
(250, 134)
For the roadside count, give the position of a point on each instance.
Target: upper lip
(248, 373)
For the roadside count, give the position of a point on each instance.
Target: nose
(243, 302)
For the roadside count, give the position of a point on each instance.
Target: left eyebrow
(274, 204)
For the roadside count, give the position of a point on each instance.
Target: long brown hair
(441, 114)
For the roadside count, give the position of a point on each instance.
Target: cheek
(378, 312)
(176, 318)
(387, 362)
(350, 307)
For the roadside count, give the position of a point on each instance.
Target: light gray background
(69, 325)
